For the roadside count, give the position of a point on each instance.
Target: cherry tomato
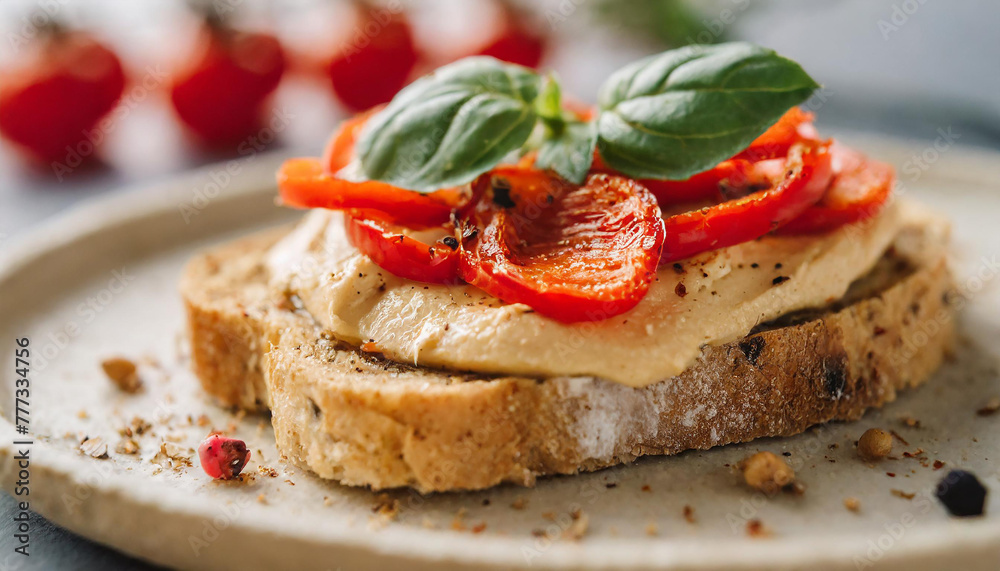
(859, 190)
(807, 175)
(305, 183)
(572, 253)
(516, 41)
(51, 104)
(221, 94)
(377, 61)
(403, 255)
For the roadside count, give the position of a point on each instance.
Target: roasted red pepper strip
(807, 176)
(340, 150)
(304, 183)
(707, 185)
(312, 183)
(859, 190)
(795, 126)
(403, 255)
(711, 185)
(572, 253)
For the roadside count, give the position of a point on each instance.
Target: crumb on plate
(874, 444)
(94, 447)
(766, 472)
(757, 529)
(123, 373)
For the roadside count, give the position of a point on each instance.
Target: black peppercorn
(501, 193)
(961, 493)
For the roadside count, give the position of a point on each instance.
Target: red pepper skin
(861, 187)
(304, 183)
(573, 253)
(807, 176)
(401, 255)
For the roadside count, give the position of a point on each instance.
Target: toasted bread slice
(362, 420)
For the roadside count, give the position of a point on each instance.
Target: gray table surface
(934, 68)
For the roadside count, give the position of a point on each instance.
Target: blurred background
(98, 96)
(144, 90)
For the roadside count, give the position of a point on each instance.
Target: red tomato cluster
(382, 54)
(220, 94)
(515, 41)
(52, 104)
(589, 252)
(376, 61)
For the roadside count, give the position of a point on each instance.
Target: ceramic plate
(101, 281)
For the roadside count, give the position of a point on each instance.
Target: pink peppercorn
(223, 458)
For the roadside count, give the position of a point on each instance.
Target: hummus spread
(710, 299)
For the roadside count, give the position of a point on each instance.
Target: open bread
(362, 419)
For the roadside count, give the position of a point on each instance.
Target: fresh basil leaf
(681, 112)
(549, 103)
(448, 127)
(570, 151)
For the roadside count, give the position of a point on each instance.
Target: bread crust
(365, 421)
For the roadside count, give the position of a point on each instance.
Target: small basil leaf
(681, 112)
(448, 127)
(549, 104)
(569, 152)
